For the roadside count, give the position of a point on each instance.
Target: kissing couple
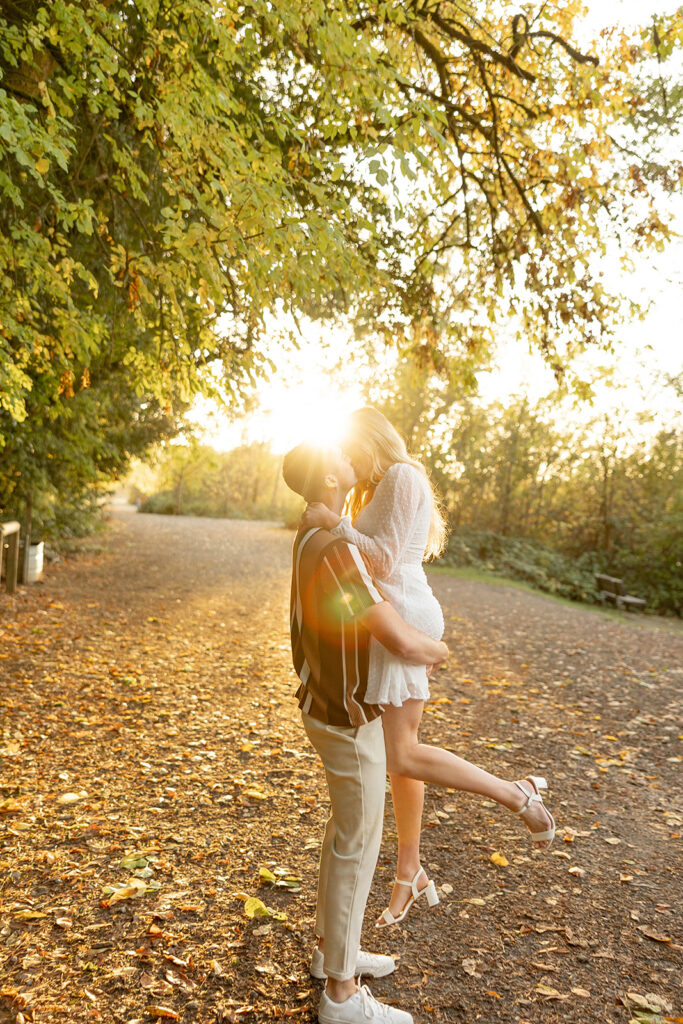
(366, 636)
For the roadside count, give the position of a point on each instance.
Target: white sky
(308, 387)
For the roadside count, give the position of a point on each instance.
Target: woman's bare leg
(408, 757)
(408, 799)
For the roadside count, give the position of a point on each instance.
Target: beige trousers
(355, 767)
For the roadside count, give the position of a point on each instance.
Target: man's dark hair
(304, 469)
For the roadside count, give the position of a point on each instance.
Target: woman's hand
(318, 514)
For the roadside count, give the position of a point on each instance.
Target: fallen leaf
(574, 940)
(255, 907)
(548, 992)
(72, 798)
(612, 840)
(131, 891)
(583, 992)
(469, 966)
(162, 1011)
(10, 805)
(29, 915)
(651, 934)
(133, 860)
(650, 1002)
(266, 874)
(499, 859)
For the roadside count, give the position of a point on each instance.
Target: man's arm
(408, 643)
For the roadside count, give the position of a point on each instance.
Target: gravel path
(145, 694)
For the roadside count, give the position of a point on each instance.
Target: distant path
(153, 674)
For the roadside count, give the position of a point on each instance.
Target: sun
(311, 389)
(304, 400)
(314, 409)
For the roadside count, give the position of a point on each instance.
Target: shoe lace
(371, 1008)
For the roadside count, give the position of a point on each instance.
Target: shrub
(525, 560)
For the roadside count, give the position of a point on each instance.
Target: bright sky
(314, 385)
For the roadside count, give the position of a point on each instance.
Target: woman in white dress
(395, 521)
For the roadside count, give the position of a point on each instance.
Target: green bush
(525, 560)
(654, 574)
(163, 503)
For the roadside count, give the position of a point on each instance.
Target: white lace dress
(391, 531)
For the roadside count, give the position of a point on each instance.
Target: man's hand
(387, 626)
(318, 514)
(431, 669)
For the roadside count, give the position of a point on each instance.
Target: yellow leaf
(162, 1011)
(500, 860)
(42, 165)
(10, 805)
(127, 892)
(255, 907)
(548, 991)
(266, 874)
(72, 798)
(29, 915)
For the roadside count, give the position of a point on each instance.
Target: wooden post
(27, 536)
(11, 532)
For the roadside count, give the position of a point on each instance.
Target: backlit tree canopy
(172, 170)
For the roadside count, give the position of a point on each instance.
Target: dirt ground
(152, 761)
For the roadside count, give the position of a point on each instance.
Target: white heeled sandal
(387, 918)
(538, 783)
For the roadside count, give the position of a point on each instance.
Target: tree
(55, 469)
(173, 170)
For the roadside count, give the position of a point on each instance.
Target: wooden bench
(612, 589)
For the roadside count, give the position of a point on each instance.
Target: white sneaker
(359, 1008)
(375, 964)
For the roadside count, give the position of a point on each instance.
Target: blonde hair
(371, 433)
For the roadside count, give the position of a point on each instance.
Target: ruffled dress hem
(395, 696)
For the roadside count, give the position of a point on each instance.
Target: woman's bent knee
(399, 762)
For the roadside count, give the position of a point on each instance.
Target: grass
(493, 579)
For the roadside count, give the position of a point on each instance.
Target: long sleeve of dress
(399, 496)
